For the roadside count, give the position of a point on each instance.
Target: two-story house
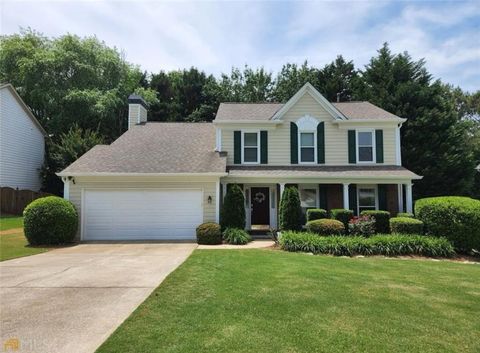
(161, 180)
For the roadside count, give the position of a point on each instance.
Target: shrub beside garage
(50, 220)
(456, 218)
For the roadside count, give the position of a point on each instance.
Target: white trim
(409, 198)
(308, 88)
(307, 123)
(374, 147)
(243, 132)
(398, 146)
(217, 202)
(400, 197)
(366, 186)
(66, 189)
(346, 196)
(247, 122)
(94, 174)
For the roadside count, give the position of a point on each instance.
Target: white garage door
(141, 214)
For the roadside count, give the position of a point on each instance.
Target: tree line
(78, 89)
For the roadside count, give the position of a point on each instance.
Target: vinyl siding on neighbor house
(22, 145)
(208, 187)
(336, 141)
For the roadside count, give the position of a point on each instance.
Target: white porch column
(409, 198)
(346, 201)
(282, 189)
(66, 188)
(400, 197)
(224, 189)
(217, 201)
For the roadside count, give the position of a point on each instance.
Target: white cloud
(215, 36)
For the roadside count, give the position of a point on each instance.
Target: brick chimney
(137, 110)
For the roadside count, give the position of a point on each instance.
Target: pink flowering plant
(362, 226)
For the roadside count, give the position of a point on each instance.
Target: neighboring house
(161, 180)
(22, 142)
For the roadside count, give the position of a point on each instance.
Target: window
(307, 147)
(251, 147)
(367, 198)
(365, 146)
(308, 198)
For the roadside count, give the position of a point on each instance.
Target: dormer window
(251, 147)
(307, 147)
(365, 146)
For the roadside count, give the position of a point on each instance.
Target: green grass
(273, 301)
(15, 245)
(10, 222)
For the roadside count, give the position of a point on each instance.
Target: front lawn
(273, 301)
(10, 222)
(15, 245)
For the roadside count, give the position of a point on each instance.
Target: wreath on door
(259, 197)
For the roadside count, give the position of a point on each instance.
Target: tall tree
(291, 78)
(431, 136)
(246, 86)
(337, 80)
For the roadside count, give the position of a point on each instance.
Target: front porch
(262, 198)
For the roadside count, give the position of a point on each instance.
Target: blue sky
(214, 36)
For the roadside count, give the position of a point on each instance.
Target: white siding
(336, 138)
(22, 145)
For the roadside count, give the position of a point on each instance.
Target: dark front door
(260, 198)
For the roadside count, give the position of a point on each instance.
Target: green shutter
(321, 143)
(352, 145)
(352, 198)
(322, 190)
(382, 197)
(293, 143)
(379, 145)
(263, 147)
(237, 147)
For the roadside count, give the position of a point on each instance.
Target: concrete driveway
(72, 299)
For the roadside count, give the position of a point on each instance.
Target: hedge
(405, 214)
(50, 221)
(342, 215)
(236, 236)
(209, 234)
(326, 227)
(316, 213)
(406, 225)
(382, 220)
(456, 218)
(232, 214)
(388, 245)
(290, 212)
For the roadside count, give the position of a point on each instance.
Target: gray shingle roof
(155, 148)
(389, 171)
(265, 111)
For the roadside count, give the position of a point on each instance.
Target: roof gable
(309, 89)
(24, 106)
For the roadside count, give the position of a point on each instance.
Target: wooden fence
(14, 201)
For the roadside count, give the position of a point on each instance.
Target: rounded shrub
(406, 225)
(236, 236)
(290, 213)
(209, 234)
(232, 214)
(342, 215)
(326, 227)
(405, 214)
(382, 220)
(50, 221)
(316, 213)
(456, 218)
